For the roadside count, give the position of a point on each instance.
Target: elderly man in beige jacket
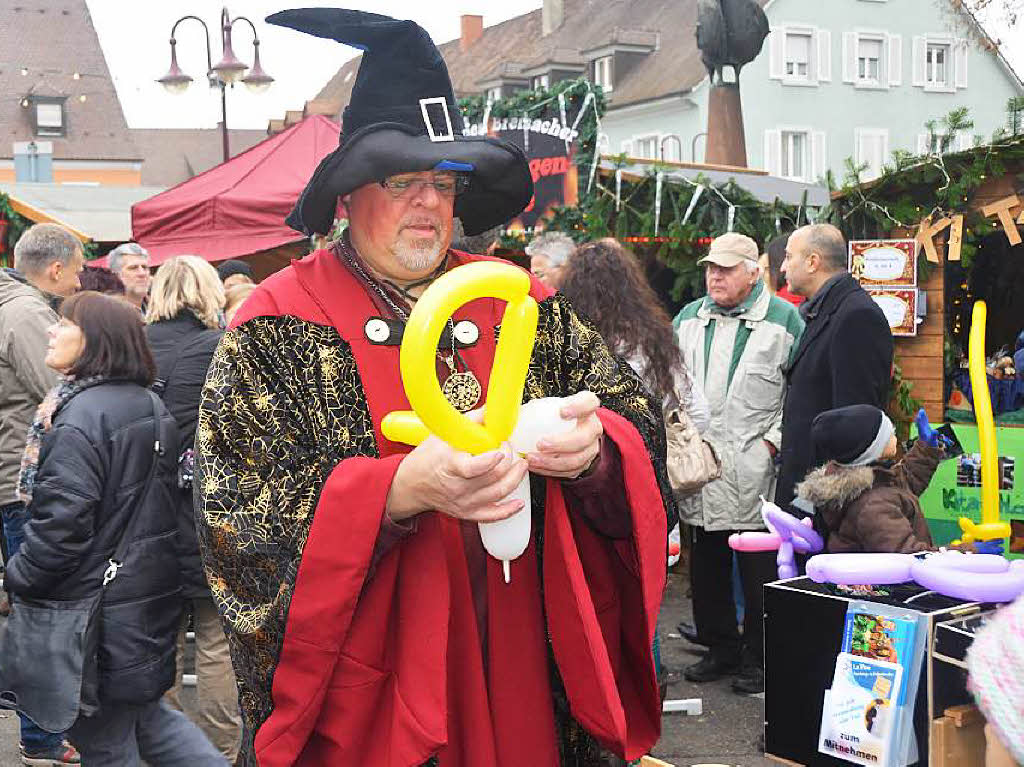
(736, 341)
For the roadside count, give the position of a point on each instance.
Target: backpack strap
(159, 442)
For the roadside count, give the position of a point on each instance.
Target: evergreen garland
(913, 187)
(16, 224)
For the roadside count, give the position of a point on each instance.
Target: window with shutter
(872, 150)
(777, 52)
(646, 147)
(849, 57)
(819, 158)
(939, 63)
(824, 60)
(960, 52)
(937, 66)
(794, 158)
(869, 60)
(772, 152)
(798, 56)
(603, 73)
(918, 62)
(895, 60)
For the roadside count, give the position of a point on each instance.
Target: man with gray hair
(736, 343)
(845, 355)
(47, 262)
(130, 262)
(549, 253)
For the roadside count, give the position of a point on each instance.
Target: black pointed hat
(403, 117)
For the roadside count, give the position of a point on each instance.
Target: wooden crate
(958, 738)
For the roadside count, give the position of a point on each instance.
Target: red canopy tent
(237, 208)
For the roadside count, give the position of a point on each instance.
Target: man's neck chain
(462, 390)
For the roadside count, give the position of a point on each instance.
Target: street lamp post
(228, 70)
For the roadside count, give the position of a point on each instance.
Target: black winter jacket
(93, 465)
(844, 358)
(186, 338)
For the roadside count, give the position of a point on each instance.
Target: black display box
(803, 631)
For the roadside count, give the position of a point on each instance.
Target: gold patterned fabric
(283, 404)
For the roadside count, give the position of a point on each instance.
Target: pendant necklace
(461, 389)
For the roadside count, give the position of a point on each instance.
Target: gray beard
(419, 256)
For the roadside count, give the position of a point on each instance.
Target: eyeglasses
(446, 185)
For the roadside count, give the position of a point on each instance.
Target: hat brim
(500, 184)
(725, 259)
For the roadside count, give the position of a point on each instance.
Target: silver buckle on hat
(434, 136)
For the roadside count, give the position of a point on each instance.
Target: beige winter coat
(738, 363)
(25, 316)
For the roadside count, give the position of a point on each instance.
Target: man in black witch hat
(367, 624)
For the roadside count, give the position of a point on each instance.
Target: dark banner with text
(549, 147)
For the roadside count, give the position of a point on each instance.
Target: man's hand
(434, 476)
(568, 455)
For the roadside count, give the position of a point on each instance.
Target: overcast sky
(135, 35)
(135, 39)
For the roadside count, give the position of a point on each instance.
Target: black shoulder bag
(48, 647)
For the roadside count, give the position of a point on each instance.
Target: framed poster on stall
(899, 307)
(889, 263)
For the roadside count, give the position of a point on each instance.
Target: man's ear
(813, 261)
(54, 270)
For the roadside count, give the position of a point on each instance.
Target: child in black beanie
(867, 503)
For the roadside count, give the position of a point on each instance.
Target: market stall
(960, 217)
(237, 209)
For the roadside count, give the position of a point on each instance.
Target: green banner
(955, 489)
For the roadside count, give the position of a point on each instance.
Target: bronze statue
(729, 33)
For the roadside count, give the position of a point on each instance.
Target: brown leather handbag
(692, 462)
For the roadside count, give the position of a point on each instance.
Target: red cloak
(389, 671)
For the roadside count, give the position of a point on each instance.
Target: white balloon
(508, 538)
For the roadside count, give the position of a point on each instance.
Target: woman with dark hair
(605, 283)
(100, 280)
(771, 266)
(84, 482)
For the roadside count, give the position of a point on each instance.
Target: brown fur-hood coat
(874, 508)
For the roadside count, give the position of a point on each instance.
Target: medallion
(462, 390)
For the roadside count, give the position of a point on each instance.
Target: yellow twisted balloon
(431, 411)
(990, 528)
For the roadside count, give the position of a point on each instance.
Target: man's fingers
(493, 512)
(579, 405)
(587, 432)
(501, 488)
(568, 465)
(466, 466)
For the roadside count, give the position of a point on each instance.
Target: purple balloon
(970, 585)
(970, 563)
(805, 538)
(856, 569)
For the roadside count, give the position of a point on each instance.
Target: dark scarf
(54, 400)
